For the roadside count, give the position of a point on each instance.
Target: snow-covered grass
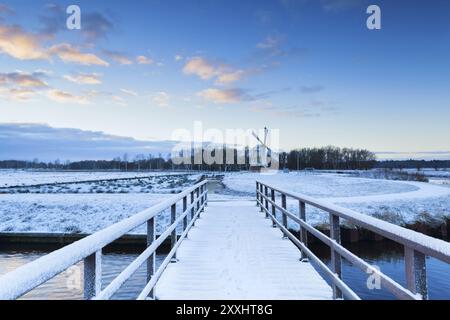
(171, 183)
(83, 207)
(74, 213)
(400, 202)
(66, 208)
(10, 178)
(318, 185)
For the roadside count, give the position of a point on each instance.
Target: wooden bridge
(235, 250)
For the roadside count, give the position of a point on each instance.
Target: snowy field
(11, 178)
(83, 207)
(400, 202)
(89, 207)
(172, 183)
(73, 213)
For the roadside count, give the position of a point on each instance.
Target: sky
(141, 70)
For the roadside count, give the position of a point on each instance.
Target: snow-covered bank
(400, 202)
(74, 213)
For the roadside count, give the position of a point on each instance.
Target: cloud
(96, 25)
(200, 67)
(53, 21)
(66, 97)
(311, 89)
(162, 99)
(22, 79)
(230, 77)
(178, 57)
(118, 57)
(4, 9)
(20, 44)
(144, 60)
(335, 6)
(329, 6)
(270, 42)
(119, 100)
(21, 94)
(223, 96)
(69, 54)
(264, 16)
(207, 70)
(85, 78)
(311, 109)
(129, 92)
(26, 141)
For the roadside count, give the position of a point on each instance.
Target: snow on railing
(417, 245)
(25, 278)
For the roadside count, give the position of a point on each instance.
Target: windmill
(262, 149)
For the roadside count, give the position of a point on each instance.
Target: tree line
(329, 158)
(332, 158)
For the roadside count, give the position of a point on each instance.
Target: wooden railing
(89, 250)
(416, 245)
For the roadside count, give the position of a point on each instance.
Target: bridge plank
(234, 253)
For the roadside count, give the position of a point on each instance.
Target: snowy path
(234, 253)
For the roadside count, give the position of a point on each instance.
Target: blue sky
(310, 68)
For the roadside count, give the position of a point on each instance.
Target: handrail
(417, 245)
(27, 277)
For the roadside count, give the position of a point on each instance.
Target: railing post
(303, 233)
(284, 206)
(274, 211)
(193, 209)
(92, 275)
(257, 193)
(151, 235)
(185, 219)
(261, 197)
(416, 272)
(197, 191)
(202, 198)
(206, 195)
(173, 238)
(336, 261)
(266, 193)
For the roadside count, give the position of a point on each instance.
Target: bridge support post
(274, 212)
(303, 233)
(92, 275)
(416, 272)
(284, 206)
(266, 193)
(151, 236)
(336, 260)
(173, 237)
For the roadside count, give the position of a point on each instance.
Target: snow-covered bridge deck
(234, 253)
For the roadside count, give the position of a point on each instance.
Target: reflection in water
(389, 258)
(387, 255)
(69, 284)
